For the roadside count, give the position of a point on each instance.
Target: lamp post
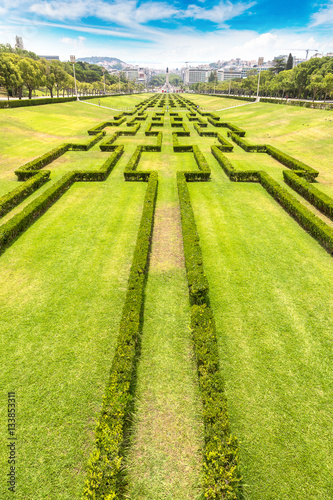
(103, 69)
(260, 63)
(72, 59)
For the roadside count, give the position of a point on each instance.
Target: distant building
(224, 74)
(50, 58)
(195, 75)
(19, 43)
(137, 75)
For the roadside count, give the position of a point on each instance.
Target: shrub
(105, 464)
(290, 162)
(19, 222)
(249, 148)
(15, 197)
(234, 175)
(317, 198)
(310, 222)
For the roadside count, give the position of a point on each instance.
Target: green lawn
(62, 288)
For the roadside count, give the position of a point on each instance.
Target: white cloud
(323, 16)
(61, 10)
(220, 13)
(74, 42)
(128, 12)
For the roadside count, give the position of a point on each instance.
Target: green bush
(197, 281)
(221, 475)
(234, 175)
(15, 197)
(88, 145)
(103, 172)
(317, 198)
(29, 169)
(105, 468)
(309, 173)
(249, 148)
(21, 221)
(310, 222)
(230, 126)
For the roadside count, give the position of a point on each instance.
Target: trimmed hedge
(197, 281)
(310, 222)
(309, 173)
(249, 148)
(29, 169)
(88, 145)
(21, 221)
(221, 476)
(15, 197)
(103, 172)
(230, 126)
(317, 198)
(177, 148)
(234, 175)
(105, 468)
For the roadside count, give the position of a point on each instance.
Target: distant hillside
(107, 62)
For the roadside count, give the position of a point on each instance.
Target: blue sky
(158, 33)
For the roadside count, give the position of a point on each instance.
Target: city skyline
(159, 34)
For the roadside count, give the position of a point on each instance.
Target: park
(166, 277)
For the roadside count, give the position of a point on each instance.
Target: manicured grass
(63, 283)
(270, 285)
(62, 286)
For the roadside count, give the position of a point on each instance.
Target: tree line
(311, 79)
(22, 70)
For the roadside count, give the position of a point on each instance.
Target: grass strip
(105, 469)
(221, 473)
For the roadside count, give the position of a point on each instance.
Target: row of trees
(311, 79)
(21, 69)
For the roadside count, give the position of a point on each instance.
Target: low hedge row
(105, 146)
(201, 132)
(310, 222)
(21, 221)
(29, 169)
(230, 126)
(197, 281)
(105, 468)
(200, 159)
(221, 476)
(234, 175)
(225, 145)
(98, 128)
(88, 145)
(317, 198)
(15, 197)
(177, 148)
(305, 104)
(290, 162)
(153, 125)
(249, 148)
(102, 173)
(154, 147)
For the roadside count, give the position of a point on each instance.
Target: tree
(10, 76)
(290, 62)
(279, 65)
(31, 73)
(212, 77)
(328, 84)
(316, 84)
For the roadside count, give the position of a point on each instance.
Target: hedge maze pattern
(105, 478)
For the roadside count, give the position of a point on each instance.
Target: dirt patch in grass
(167, 244)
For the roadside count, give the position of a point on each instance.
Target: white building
(195, 75)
